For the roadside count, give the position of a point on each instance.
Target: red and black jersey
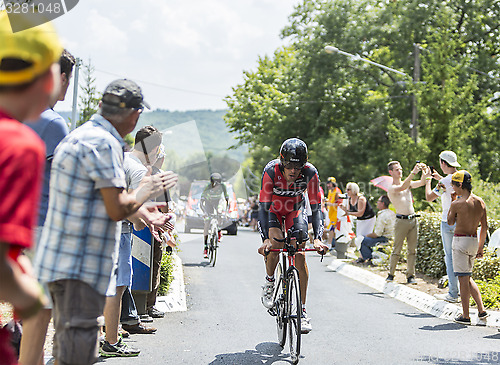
(279, 197)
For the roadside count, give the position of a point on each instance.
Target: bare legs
(112, 310)
(33, 338)
(467, 288)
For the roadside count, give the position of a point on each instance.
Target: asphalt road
(352, 324)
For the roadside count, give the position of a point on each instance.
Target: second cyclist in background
(210, 199)
(281, 198)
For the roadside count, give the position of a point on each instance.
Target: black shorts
(296, 220)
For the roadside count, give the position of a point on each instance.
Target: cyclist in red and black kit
(281, 199)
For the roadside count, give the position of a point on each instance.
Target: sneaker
(267, 294)
(139, 328)
(305, 323)
(146, 318)
(155, 313)
(460, 319)
(483, 315)
(360, 260)
(120, 349)
(205, 253)
(411, 280)
(446, 297)
(389, 278)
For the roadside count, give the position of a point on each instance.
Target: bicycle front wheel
(294, 313)
(280, 305)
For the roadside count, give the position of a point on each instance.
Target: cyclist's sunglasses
(293, 165)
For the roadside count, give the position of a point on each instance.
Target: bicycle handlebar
(286, 250)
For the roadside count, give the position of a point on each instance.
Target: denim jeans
(129, 311)
(367, 244)
(447, 232)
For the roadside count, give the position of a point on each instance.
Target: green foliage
(487, 267)
(89, 99)
(430, 254)
(490, 193)
(490, 292)
(356, 117)
(166, 273)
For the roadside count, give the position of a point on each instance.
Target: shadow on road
(493, 337)
(265, 353)
(376, 295)
(444, 327)
(196, 264)
(415, 315)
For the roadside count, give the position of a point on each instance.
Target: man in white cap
(444, 189)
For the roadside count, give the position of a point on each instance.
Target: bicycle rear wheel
(294, 313)
(213, 249)
(280, 305)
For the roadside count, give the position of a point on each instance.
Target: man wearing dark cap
(76, 254)
(467, 213)
(28, 71)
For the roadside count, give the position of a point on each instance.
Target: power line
(162, 86)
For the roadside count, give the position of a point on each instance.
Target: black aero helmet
(293, 153)
(215, 178)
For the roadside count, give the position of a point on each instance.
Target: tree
(356, 117)
(89, 99)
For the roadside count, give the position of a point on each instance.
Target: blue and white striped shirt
(79, 239)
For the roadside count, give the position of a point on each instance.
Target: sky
(186, 55)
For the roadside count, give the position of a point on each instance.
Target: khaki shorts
(464, 253)
(77, 307)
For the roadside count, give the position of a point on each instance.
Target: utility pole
(75, 93)
(416, 78)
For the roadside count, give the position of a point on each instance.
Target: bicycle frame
(213, 236)
(287, 296)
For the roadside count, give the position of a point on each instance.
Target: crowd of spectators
(90, 190)
(93, 193)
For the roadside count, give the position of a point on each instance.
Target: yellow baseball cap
(461, 176)
(332, 179)
(39, 47)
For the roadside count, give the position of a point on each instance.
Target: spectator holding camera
(444, 189)
(406, 226)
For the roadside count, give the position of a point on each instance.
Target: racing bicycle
(213, 238)
(287, 307)
(214, 235)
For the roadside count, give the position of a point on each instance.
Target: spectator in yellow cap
(28, 71)
(467, 212)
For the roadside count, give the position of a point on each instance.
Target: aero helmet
(215, 178)
(293, 153)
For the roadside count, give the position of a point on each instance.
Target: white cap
(450, 157)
